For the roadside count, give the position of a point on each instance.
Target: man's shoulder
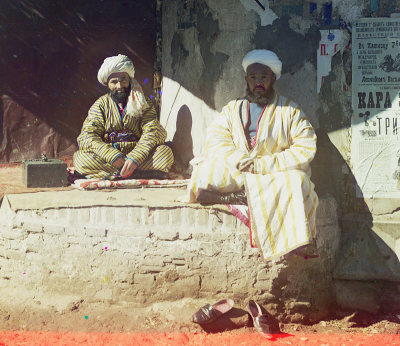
(234, 103)
(237, 100)
(101, 101)
(288, 102)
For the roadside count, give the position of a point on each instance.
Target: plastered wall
(204, 43)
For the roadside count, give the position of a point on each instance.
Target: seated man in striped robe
(121, 136)
(258, 152)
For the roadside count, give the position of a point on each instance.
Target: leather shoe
(209, 313)
(260, 320)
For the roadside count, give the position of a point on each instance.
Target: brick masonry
(142, 255)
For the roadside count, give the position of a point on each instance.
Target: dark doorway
(50, 54)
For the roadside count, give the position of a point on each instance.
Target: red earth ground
(226, 338)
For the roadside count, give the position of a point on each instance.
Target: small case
(44, 172)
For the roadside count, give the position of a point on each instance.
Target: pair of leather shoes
(264, 323)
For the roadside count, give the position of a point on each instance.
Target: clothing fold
(95, 157)
(281, 197)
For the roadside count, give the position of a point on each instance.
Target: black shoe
(263, 321)
(206, 197)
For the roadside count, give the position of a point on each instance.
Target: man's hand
(119, 162)
(249, 168)
(128, 168)
(246, 166)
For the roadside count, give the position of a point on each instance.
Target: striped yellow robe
(95, 157)
(281, 198)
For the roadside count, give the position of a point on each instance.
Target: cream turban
(113, 64)
(264, 57)
(137, 103)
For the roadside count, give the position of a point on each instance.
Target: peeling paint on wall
(267, 16)
(350, 10)
(208, 31)
(294, 50)
(178, 50)
(301, 25)
(292, 28)
(288, 85)
(332, 41)
(194, 39)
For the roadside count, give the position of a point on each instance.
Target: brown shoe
(209, 313)
(260, 320)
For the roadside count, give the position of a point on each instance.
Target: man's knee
(89, 163)
(301, 179)
(163, 157)
(164, 149)
(164, 152)
(77, 160)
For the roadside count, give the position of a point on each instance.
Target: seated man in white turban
(258, 153)
(121, 136)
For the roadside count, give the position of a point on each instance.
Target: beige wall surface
(204, 43)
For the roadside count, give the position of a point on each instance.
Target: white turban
(113, 64)
(264, 57)
(121, 63)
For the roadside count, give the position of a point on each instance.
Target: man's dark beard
(263, 99)
(121, 97)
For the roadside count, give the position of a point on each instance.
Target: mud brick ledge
(148, 252)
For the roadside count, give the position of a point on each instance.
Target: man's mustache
(120, 96)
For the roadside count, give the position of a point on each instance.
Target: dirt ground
(36, 321)
(31, 319)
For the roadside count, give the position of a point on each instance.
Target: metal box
(44, 172)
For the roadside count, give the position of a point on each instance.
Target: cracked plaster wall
(203, 46)
(370, 244)
(204, 43)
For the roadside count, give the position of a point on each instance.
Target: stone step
(144, 253)
(369, 249)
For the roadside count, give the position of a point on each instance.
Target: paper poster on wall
(375, 144)
(331, 42)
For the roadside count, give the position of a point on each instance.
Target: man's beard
(263, 99)
(121, 97)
